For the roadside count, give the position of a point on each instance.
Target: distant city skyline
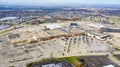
(57, 2)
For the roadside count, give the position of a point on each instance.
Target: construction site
(55, 40)
(52, 31)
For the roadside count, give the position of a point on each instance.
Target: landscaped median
(11, 66)
(77, 61)
(4, 31)
(72, 60)
(117, 57)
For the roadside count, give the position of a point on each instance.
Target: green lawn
(69, 59)
(11, 66)
(117, 49)
(115, 20)
(116, 58)
(40, 19)
(4, 31)
(30, 64)
(29, 23)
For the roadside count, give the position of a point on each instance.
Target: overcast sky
(57, 2)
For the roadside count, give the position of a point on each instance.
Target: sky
(56, 2)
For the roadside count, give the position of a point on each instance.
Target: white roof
(7, 18)
(109, 66)
(53, 26)
(51, 65)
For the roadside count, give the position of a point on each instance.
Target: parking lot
(97, 61)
